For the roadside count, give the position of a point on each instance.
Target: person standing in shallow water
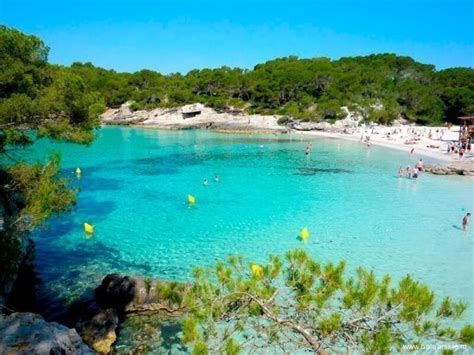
(465, 221)
(419, 165)
(400, 172)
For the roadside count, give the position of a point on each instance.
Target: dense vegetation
(380, 87)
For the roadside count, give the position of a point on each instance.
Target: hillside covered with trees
(381, 87)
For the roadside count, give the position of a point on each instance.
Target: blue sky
(171, 36)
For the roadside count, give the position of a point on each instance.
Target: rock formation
(97, 320)
(191, 116)
(455, 168)
(99, 330)
(29, 333)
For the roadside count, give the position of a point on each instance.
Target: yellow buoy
(257, 270)
(78, 171)
(89, 229)
(304, 234)
(191, 199)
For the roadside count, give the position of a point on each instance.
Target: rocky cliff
(29, 333)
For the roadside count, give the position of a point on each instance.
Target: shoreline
(441, 156)
(426, 152)
(425, 141)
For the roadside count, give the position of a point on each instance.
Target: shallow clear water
(135, 183)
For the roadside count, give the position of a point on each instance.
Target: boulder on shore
(29, 333)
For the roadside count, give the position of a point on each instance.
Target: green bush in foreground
(41, 190)
(301, 305)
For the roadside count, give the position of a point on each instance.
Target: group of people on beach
(459, 148)
(410, 173)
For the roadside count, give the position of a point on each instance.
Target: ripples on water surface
(134, 187)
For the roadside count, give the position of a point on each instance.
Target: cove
(135, 182)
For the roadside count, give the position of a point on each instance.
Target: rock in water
(99, 331)
(29, 333)
(115, 292)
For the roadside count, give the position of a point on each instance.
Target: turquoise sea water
(135, 182)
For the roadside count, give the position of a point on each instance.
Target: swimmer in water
(308, 148)
(216, 178)
(205, 182)
(465, 221)
(400, 172)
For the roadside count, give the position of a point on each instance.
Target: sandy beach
(435, 148)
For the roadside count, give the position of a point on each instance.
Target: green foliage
(14, 136)
(34, 93)
(42, 191)
(306, 89)
(171, 291)
(302, 305)
(466, 335)
(63, 130)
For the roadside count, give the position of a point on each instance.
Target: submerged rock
(29, 333)
(150, 334)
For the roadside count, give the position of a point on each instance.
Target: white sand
(422, 145)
